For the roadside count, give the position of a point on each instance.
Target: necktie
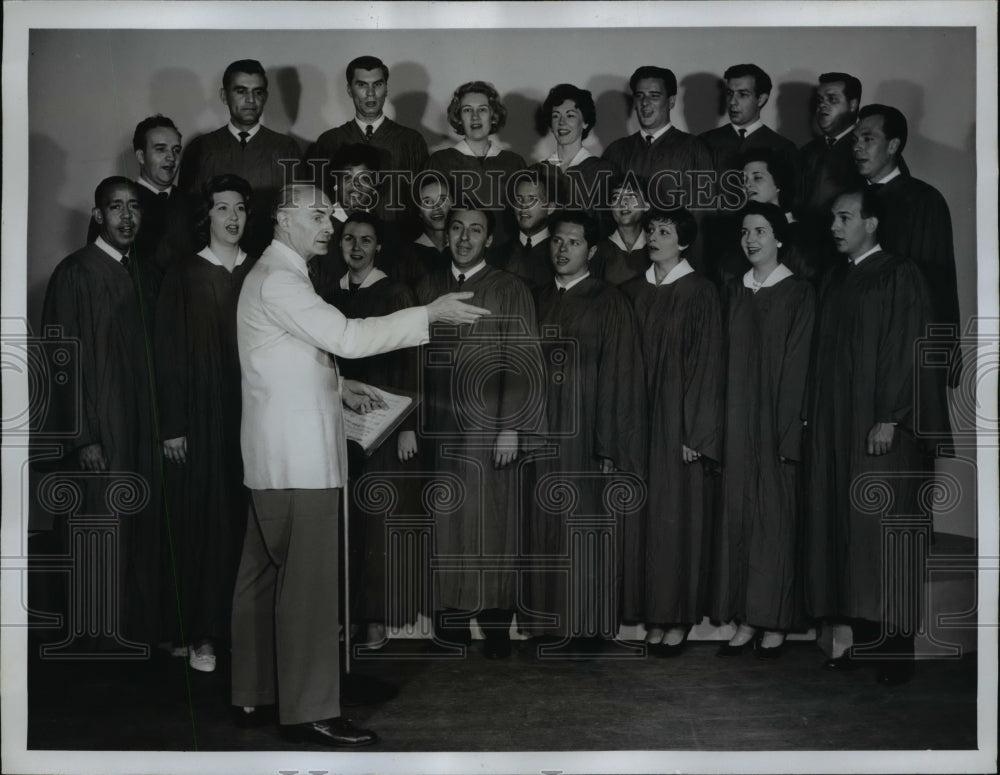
(875, 186)
(163, 196)
(244, 136)
(461, 280)
(649, 140)
(562, 291)
(743, 134)
(126, 260)
(527, 245)
(369, 131)
(831, 141)
(313, 266)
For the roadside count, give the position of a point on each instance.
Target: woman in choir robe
(198, 372)
(476, 166)
(365, 291)
(429, 251)
(570, 114)
(681, 328)
(769, 313)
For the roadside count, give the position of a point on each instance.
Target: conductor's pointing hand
(450, 308)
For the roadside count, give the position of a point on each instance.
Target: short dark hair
(470, 203)
(761, 80)
(582, 98)
(893, 122)
(106, 185)
(360, 216)
(661, 73)
(213, 186)
(872, 205)
(150, 122)
(546, 176)
(852, 86)
(779, 169)
(772, 214)
(355, 155)
(630, 182)
(683, 221)
(498, 112)
(366, 62)
(591, 231)
(246, 66)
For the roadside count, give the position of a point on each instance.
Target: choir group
(695, 393)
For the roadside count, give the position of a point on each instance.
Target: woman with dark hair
(769, 321)
(666, 587)
(366, 291)
(570, 114)
(476, 166)
(198, 373)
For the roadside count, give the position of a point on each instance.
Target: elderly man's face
(306, 225)
(119, 216)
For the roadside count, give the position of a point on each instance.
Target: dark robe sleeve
(794, 373)
(622, 419)
(519, 366)
(170, 349)
(903, 319)
(704, 373)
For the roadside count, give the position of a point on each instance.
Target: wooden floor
(613, 701)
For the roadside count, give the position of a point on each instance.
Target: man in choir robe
(917, 222)
(285, 604)
(429, 251)
(244, 147)
(864, 524)
(103, 298)
(826, 163)
(526, 254)
(483, 409)
(597, 424)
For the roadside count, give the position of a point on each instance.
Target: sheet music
(371, 428)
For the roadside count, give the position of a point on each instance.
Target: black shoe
(666, 651)
(497, 648)
(896, 672)
(841, 664)
(339, 732)
(725, 650)
(260, 716)
(770, 653)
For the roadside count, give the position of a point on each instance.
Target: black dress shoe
(896, 673)
(840, 664)
(260, 716)
(339, 732)
(770, 653)
(497, 648)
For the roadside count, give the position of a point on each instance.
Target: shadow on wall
(614, 107)
(795, 105)
(521, 134)
(51, 226)
(409, 105)
(179, 94)
(703, 99)
(315, 89)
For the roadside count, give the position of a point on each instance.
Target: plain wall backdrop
(87, 89)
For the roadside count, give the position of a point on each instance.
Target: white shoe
(202, 658)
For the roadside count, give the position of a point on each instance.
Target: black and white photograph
(543, 387)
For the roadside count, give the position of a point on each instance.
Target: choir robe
(824, 173)
(399, 147)
(596, 409)
(220, 153)
(379, 295)
(755, 576)
(484, 178)
(585, 185)
(616, 265)
(477, 381)
(726, 147)
(675, 151)
(200, 398)
(107, 310)
(533, 265)
(871, 314)
(681, 328)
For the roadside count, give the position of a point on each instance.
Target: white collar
(463, 147)
(894, 174)
(373, 277)
(146, 184)
(374, 124)
(571, 283)
(865, 255)
(616, 239)
(673, 275)
(455, 271)
(779, 273)
(580, 155)
(426, 241)
(113, 252)
(657, 134)
(845, 132)
(235, 132)
(749, 128)
(208, 255)
(535, 238)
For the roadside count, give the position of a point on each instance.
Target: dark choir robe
(825, 172)
(596, 409)
(476, 383)
(399, 147)
(616, 265)
(917, 225)
(858, 504)
(533, 265)
(219, 153)
(681, 328)
(198, 371)
(800, 251)
(755, 576)
(585, 185)
(486, 179)
(108, 309)
(419, 259)
(379, 295)
(726, 146)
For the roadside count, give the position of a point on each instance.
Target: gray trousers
(286, 643)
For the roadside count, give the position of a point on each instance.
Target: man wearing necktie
(243, 147)
(527, 254)
(102, 298)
